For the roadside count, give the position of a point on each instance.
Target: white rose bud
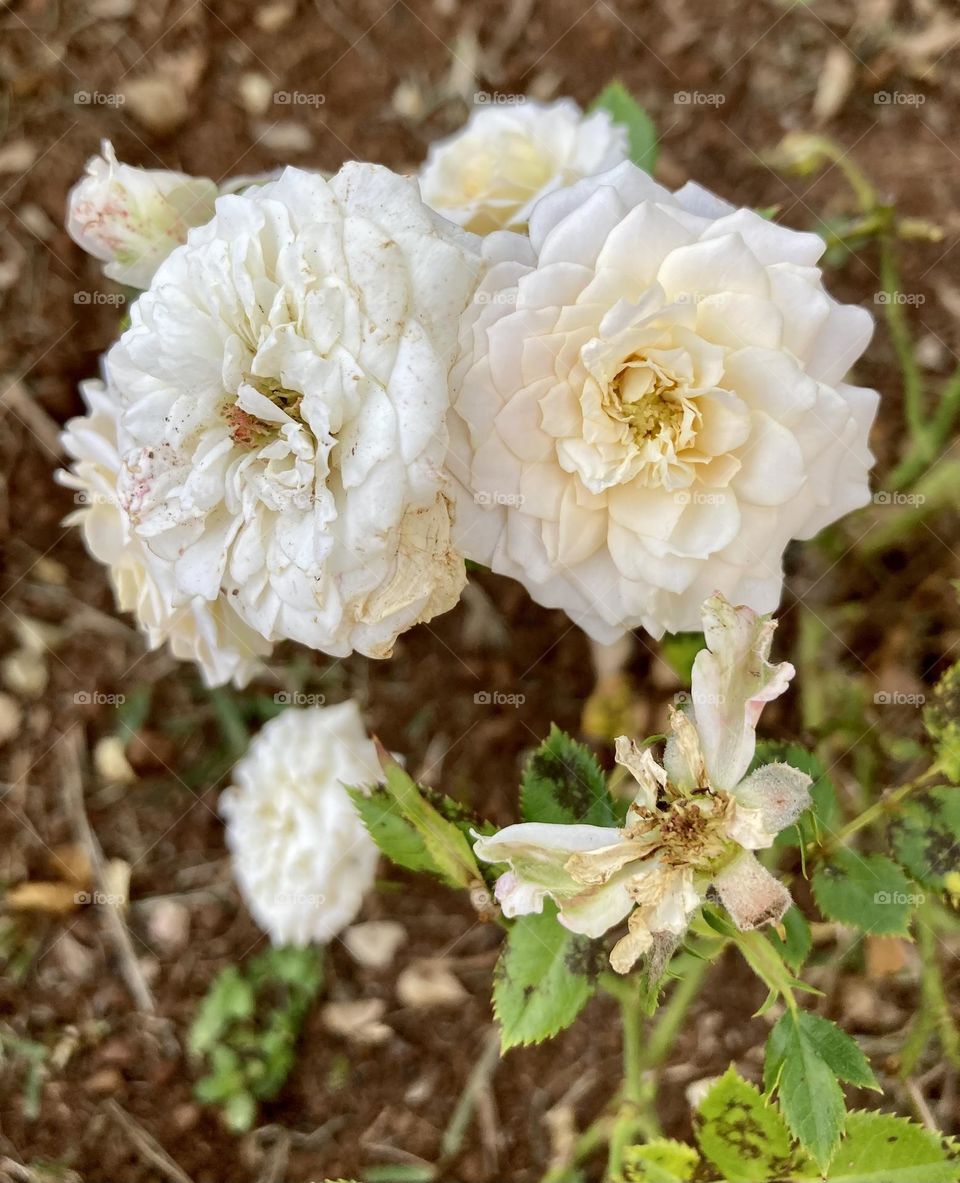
(132, 218)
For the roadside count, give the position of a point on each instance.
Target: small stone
(11, 718)
(103, 1082)
(25, 673)
(17, 156)
(430, 983)
(358, 1021)
(374, 943)
(110, 761)
(168, 926)
(157, 102)
(256, 93)
(271, 18)
(284, 138)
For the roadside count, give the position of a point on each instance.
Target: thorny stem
(886, 804)
(633, 1118)
(928, 433)
(934, 1012)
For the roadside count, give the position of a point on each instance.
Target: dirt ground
(197, 85)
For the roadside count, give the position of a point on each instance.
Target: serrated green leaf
(624, 109)
(941, 717)
(796, 948)
(810, 1098)
(881, 1148)
(838, 1050)
(393, 834)
(660, 1161)
(926, 836)
(446, 844)
(563, 783)
(542, 980)
(744, 1137)
(868, 891)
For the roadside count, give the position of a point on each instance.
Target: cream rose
(207, 632)
(285, 387)
(650, 404)
(489, 175)
(301, 855)
(132, 218)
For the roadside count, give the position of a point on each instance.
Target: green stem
(897, 326)
(938, 430)
(674, 1011)
(886, 804)
(635, 1118)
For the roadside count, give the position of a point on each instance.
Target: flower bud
(132, 218)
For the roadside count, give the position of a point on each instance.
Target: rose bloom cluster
(331, 392)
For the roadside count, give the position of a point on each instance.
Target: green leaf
(881, 1148)
(679, 651)
(741, 1134)
(941, 717)
(796, 948)
(926, 836)
(563, 783)
(624, 109)
(660, 1161)
(868, 891)
(837, 1049)
(395, 837)
(445, 843)
(810, 1098)
(543, 979)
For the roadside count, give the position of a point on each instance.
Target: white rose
(285, 381)
(206, 632)
(300, 852)
(651, 404)
(132, 218)
(694, 823)
(490, 173)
